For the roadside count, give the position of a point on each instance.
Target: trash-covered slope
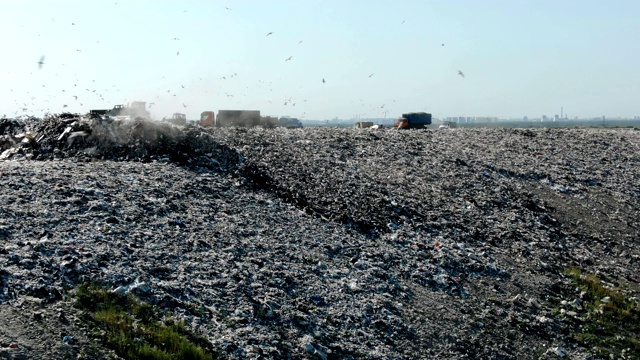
(324, 243)
(70, 135)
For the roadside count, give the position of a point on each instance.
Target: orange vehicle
(207, 118)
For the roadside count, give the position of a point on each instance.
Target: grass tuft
(611, 326)
(131, 328)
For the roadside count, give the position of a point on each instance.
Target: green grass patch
(131, 327)
(610, 322)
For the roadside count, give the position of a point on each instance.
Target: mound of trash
(70, 135)
(324, 243)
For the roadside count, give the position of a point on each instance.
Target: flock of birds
(41, 63)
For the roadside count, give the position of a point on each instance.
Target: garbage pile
(70, 135)
(328, 243)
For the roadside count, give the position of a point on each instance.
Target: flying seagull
(269, 33)
(323, 81)
(371, 74)
(289, 58)
(178, 53)
(460, 73)
(41, 62)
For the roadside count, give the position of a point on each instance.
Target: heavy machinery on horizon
(133, 110)
(245, 118)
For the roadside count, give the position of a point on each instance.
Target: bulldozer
(176, 119)
(124, 112)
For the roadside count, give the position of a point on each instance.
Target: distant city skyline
(315, 60)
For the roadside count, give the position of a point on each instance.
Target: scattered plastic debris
(325, 243)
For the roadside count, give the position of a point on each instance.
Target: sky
(322, 59)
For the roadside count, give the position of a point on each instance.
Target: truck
(207, 118)
(239, 118)
(448, 125)
(289, 122)
(413, 120)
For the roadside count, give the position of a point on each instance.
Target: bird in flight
(300, 42)
(460, 73)
(371, 74)
(182, 86)
(289, 58)
(323, 81)
(178, 53)
(269, 33)
(184, 105)
(176, 39)
(402, 22)
(41, 62)
(227, 8)
(75, 97)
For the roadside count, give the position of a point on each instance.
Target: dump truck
(413, 120)
(176, 119)
(239, 118)
(269, 121)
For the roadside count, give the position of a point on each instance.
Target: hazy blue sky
(518, 57)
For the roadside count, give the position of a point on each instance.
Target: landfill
(318, 243)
